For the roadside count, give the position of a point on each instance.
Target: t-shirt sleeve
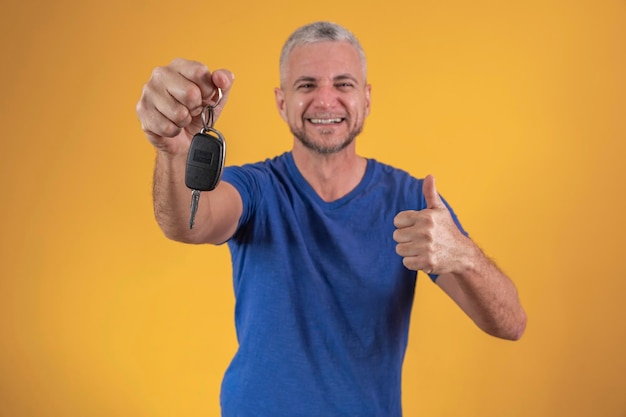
(247, 180)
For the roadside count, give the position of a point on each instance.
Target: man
(325, 243)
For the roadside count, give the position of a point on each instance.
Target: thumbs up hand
(429, 240)
(433, 200)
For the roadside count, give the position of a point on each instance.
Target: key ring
(208, 117)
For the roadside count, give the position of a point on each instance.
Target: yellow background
(518, 108)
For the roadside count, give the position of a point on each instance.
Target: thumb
(433, 200)
(223, 79)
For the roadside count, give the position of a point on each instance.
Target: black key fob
(205, 160)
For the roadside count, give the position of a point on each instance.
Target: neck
(331, 176)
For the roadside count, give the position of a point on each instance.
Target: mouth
(327, 121)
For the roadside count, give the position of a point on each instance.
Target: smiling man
(324, 91)
(325, 243)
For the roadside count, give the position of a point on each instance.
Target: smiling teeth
(325, 121)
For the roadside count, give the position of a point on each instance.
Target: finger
(433, 200)
(418, 263)
(223, 79)
(191, 85)
(154, 123)
(407, 249)
(403, 235)
(404, 219)
(158, 116)
(170, 94)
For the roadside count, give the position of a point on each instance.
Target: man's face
(324, 97)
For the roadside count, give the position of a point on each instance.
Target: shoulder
(393, 186)
(393, 175)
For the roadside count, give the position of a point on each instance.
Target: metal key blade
(195, 199)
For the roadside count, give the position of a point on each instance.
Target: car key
(205, 160)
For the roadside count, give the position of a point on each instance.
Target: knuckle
(144, 116)
(168, 129)
(140, 107)
(198, 70)
(192, 94)
(180, 116)
(178, 61)
(429, 263)
(144, 99)
(428, 221)
(158, 74)
(428, 266)
(162, 127)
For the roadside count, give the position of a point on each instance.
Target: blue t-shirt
(322, 299)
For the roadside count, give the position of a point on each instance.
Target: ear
(368, 97)
(279, 94)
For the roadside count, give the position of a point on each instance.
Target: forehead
(324, 59)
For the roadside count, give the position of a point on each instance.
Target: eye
(305, 86)
(344, 85)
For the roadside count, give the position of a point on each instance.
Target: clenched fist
(172, 100)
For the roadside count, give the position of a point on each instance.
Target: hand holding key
(205, 159)
(172, 101)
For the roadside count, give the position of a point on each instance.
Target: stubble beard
(321, 148)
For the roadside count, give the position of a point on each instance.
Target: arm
(487, 296)
(430, 241)
(170, 110)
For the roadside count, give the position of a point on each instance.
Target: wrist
(170, 156)
(469, 258)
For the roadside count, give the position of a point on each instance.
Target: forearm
(487, 295)
(171, 198)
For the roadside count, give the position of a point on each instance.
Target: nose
(326, 96)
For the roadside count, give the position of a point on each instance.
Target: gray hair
(319, 32)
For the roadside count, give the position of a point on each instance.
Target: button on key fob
(205, 160)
